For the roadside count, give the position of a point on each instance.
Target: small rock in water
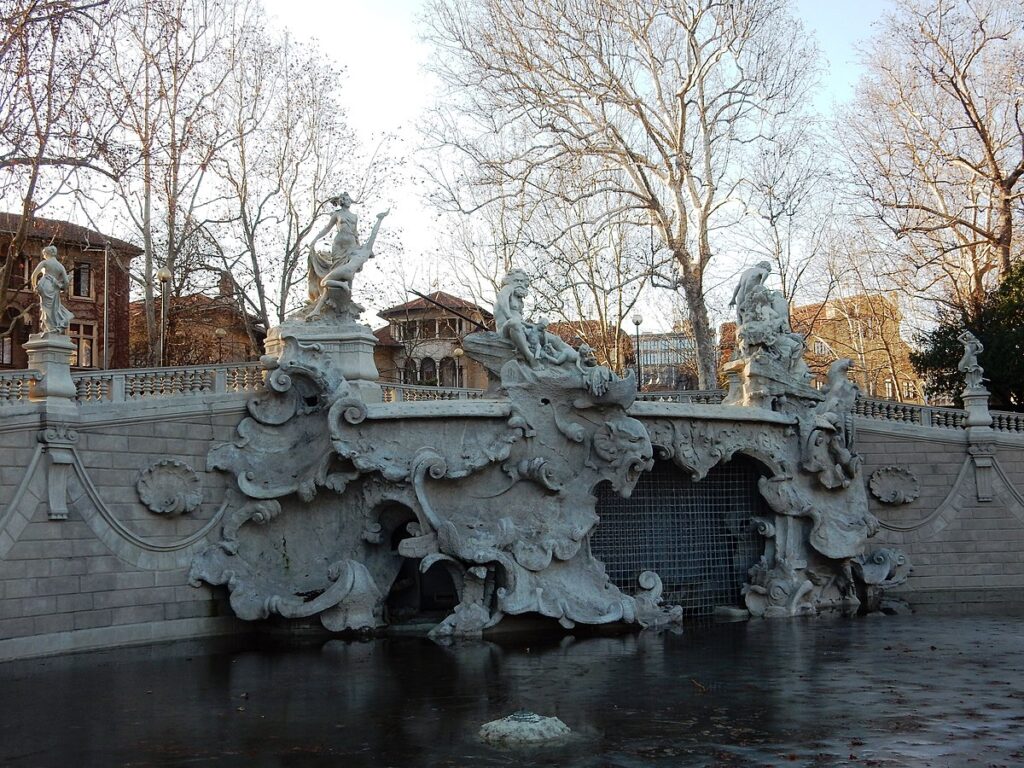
(523, 727)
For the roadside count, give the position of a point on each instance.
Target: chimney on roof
(226, 285)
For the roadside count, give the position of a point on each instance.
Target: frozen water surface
(886, 691)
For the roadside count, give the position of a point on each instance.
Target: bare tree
(936, 141)
(650, 102)
(169, 64)
(791, 208)
(51, 131)
(290, 150)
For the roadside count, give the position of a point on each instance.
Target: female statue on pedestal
(333, 272)
(49, 278)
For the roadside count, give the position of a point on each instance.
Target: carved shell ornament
(169, 487)
(894, 485)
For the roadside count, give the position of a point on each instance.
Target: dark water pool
(887, 691)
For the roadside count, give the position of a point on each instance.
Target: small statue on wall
(331, 274)
(974, 374)
(49, 279)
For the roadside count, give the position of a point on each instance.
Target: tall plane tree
(651, 102)
(936, 140)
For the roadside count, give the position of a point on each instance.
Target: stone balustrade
(137, 384)
(699, 396)
(146, 383)
(398, 393)
(14, 386)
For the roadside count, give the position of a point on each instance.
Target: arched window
(448, 377)
(428, 372)
(409, 374)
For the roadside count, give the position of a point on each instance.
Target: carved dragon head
(625, 448)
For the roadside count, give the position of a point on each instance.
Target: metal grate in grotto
(695, 535)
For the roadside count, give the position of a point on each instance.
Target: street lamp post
(637, 320)
(457, 353)
(164, 276)
(220, 333)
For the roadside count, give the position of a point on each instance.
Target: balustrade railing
(868, 408)
(1004, 421)
(145, 383)
(699, 396)
(910, 413)
(397, 393)
(14, 386)
(132, 385)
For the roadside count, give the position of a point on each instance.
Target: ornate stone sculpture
(533, 344)
(331, 274)
(331, 492)
(974, 374)
(49, 279)
(169, 487)
(768, 364)
(498, 493)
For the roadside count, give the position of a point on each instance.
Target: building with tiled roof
(97, 294)
(422, 342)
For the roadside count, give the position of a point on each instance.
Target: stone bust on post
(49, 278)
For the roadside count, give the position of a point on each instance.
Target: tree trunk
(703, 333)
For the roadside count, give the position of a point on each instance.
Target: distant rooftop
(66, 233)
(442, 298)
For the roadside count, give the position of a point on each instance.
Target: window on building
(81, 280)
(889, 389)
(21, 276)
(409, 372)
(909, 390)
(448, 328)
(449, 373)
(428, 371)
(83, 337)
(821, 348)
(6, 351)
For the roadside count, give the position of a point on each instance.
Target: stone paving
(878, 691)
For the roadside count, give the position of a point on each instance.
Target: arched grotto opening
(696, 535)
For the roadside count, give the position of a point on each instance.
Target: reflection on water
(903, 691)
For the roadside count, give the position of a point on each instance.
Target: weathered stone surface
(523, 728)
(894, 485)
(169, 487)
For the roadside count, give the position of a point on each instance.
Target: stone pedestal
(54, 391)
(50, 354)
(347, 345)
(981, 441)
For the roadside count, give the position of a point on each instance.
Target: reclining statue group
(330, 491)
